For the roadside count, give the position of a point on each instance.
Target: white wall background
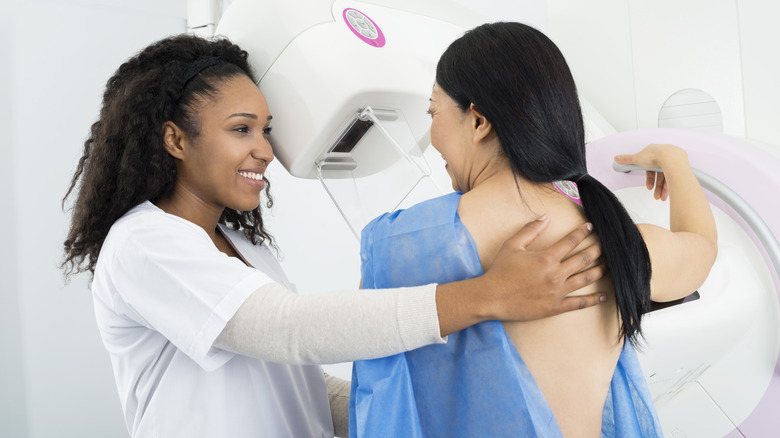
(628, 57)
(13, 399)
(55, 377)
(57, 55)
(760, 43)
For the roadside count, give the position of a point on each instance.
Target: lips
(253, 178)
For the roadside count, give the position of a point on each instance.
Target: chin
(455, 185)
(245, 206)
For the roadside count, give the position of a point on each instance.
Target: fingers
(584, 278)
(581, 260)
(529, 232)
(650, 181)
(624, 159)
(648, 158)
(567, 243)
(582, 301)
(656, 181)
(664, 189)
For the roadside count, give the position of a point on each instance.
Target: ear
(483, 129)
(174, 140)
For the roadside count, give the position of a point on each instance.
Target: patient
(506, 119)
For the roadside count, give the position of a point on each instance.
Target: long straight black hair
(519, 80)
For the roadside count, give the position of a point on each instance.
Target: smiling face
(451, 135)
(223, 165)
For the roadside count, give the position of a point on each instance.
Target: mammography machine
(350, 92)
(348, 83)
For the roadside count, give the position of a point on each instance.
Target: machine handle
(625, 168)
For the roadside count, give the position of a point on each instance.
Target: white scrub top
(162, 294)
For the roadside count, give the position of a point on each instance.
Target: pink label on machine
(364, 27)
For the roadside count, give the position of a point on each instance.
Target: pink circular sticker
(364, 27)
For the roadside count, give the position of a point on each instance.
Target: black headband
(198, 66)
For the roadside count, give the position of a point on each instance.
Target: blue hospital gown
(475, 385)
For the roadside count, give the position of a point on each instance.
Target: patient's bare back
(571, 356)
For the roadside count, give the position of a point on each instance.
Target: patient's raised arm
(682, 256)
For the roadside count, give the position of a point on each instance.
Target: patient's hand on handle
(653, 157)
(523, 285)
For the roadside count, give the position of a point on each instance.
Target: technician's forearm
(462, 304)
(278, 325)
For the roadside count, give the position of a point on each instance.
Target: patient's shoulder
(433, 212)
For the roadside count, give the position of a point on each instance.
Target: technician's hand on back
(524, 285)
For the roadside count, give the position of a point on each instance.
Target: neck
(498, 171)
(186, 205)
(500, 183)
(485, 175)
(490, 164)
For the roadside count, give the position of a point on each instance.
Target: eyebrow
(248, 115)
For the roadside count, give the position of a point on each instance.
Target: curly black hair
(124, 162)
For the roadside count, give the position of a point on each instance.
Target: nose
(263, 150)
